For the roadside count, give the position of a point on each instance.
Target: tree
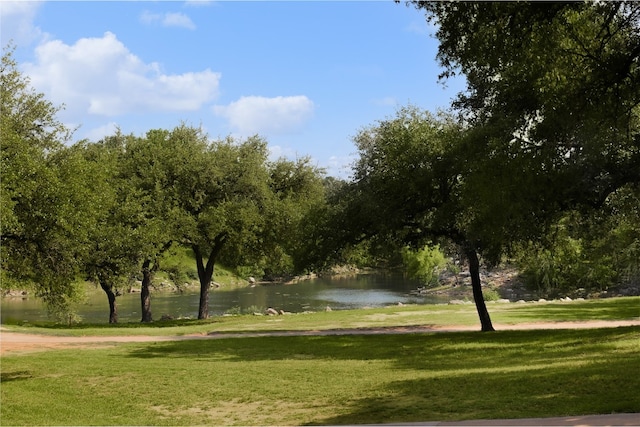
(411, 187)
(119, 238)
(560, 95)
(550, 113)
(592, 252)
(296, 191)
(47, 206)
(142, 168)
(214, 193)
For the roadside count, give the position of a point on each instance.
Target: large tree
(412, 185)
(556, 87)
(48, 200)
(142, 162)
(122, 236)
(214, 193)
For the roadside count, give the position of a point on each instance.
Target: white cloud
(277, 152)
(175, 19)
(257, 114)
(178, 20)
(341, 166)
(101, 76)
(197, 3)
(16, 22)
(387, 101)
(100, 132)
(149, 18)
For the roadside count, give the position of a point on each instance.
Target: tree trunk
(205, 275)
(476, 285)
(145, 294)
(113, 308)
(147, 277)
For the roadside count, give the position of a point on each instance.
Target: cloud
(387, 101)
(197, 3)
(341, 166)
(176, 19)
(100, 132)
(277, 152)
(257, 114)
(101, 76)
(16, 22)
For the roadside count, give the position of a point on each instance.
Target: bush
(490, 294)
(424, 264)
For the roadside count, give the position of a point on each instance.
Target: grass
(463, 315)
(307, 380)
(327, 379)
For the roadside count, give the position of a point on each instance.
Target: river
(365, 290)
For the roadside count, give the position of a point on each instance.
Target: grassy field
(307, 380)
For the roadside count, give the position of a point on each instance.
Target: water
(360, 291)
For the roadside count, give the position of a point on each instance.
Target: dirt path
(15, 342)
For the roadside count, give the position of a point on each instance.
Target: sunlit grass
(327, 379)
(627, 308)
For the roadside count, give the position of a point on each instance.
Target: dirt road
(14, 342)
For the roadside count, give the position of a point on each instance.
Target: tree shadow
(456, 376)
(408, 351)
(622, 308)
(15, 376)
(558, 390)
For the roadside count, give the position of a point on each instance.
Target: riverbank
(505, 285)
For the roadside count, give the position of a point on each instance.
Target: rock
(272, 312)
(503, 301)
(521, 301)
(328, 309)
(542, 300)
(456, 302)
(252, 280)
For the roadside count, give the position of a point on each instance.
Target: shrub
(424, 264)
(490, 294)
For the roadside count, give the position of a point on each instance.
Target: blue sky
(305, 75)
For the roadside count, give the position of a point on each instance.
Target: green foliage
(424, 264)
(297, 191)
(49, 200)
(555, 108)
(594, 252)
(490, 294)
(178, 264)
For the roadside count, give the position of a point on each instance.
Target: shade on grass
(328, 379)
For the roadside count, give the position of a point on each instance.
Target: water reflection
(314, 295)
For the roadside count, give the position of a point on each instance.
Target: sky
(304, 75)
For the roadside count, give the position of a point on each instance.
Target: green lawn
(335, 379)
